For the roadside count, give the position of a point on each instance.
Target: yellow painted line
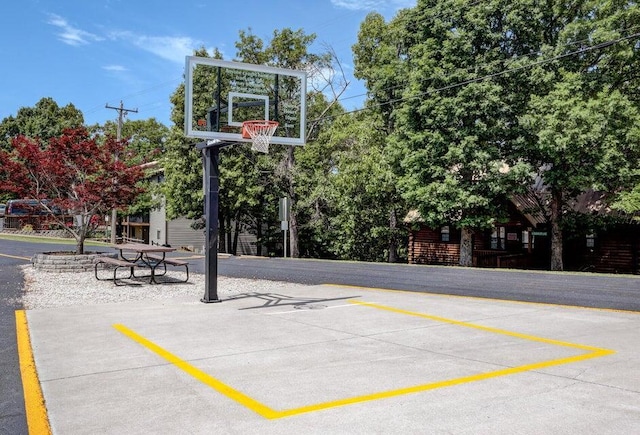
(37, 419)
(439, 384)
(481, 327)
(15, 256)
(509, 301)
(270, 413)
(209, 380)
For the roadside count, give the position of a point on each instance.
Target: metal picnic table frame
(142, 255)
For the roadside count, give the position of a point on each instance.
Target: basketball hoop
(260, 132)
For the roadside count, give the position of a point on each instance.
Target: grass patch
(42, 239)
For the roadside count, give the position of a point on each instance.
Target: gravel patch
(58, 289)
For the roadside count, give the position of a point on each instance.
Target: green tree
(290, 49)
(145, 143)
(480, 81)
(629, 201)
(582, 143)
(145, 137)
(240, 193)
(43, 121)
(250, 183)
(367, 203)
(76, 173)
(181, 161)
(381, 61)
(580, 122)
(315, 167)
(448, 141)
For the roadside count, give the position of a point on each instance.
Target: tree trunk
(80, 244)
(393, 239)
(466, 247)
(229, 242)
(222, 245)
(236, 235)
(294, 251)
(80, 232)
(259, 235)
(556, 231)
(259, 226)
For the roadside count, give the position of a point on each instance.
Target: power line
(470, 4)
(325, 24)
(572, 43)
(488, 76)
(121, 114)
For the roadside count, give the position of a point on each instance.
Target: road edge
(36, 411)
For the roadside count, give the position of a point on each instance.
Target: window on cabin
(591, 240)
(444, 234)
(498, 238)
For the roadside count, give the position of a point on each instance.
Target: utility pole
(121, 114)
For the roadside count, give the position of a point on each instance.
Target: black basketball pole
(211, 154)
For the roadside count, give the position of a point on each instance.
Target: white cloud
(168, 47)
(355, 5)
(367, 5)
(71, 35)
(173, 48)
(114, 68)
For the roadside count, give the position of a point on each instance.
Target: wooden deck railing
(501, 259)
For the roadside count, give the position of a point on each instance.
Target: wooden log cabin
(522, 241)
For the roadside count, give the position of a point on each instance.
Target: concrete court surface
(338, 360)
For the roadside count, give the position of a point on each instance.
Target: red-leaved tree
(75, 172)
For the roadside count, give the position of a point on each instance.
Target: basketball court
(322, 359)
(331, 359)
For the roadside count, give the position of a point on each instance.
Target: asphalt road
(12, 255)
(12, 413)
(577, 289)
(586, 290)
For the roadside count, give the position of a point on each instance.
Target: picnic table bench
(117, 263)
(170, 261)
(140, 256)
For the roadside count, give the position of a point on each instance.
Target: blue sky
(96, 52)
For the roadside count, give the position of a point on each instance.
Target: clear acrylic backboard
(221, 95)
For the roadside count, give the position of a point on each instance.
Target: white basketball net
(261, 133)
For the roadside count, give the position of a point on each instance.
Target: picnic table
(138, 255)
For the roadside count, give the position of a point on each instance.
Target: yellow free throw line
(270, 413)
(37, 419)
